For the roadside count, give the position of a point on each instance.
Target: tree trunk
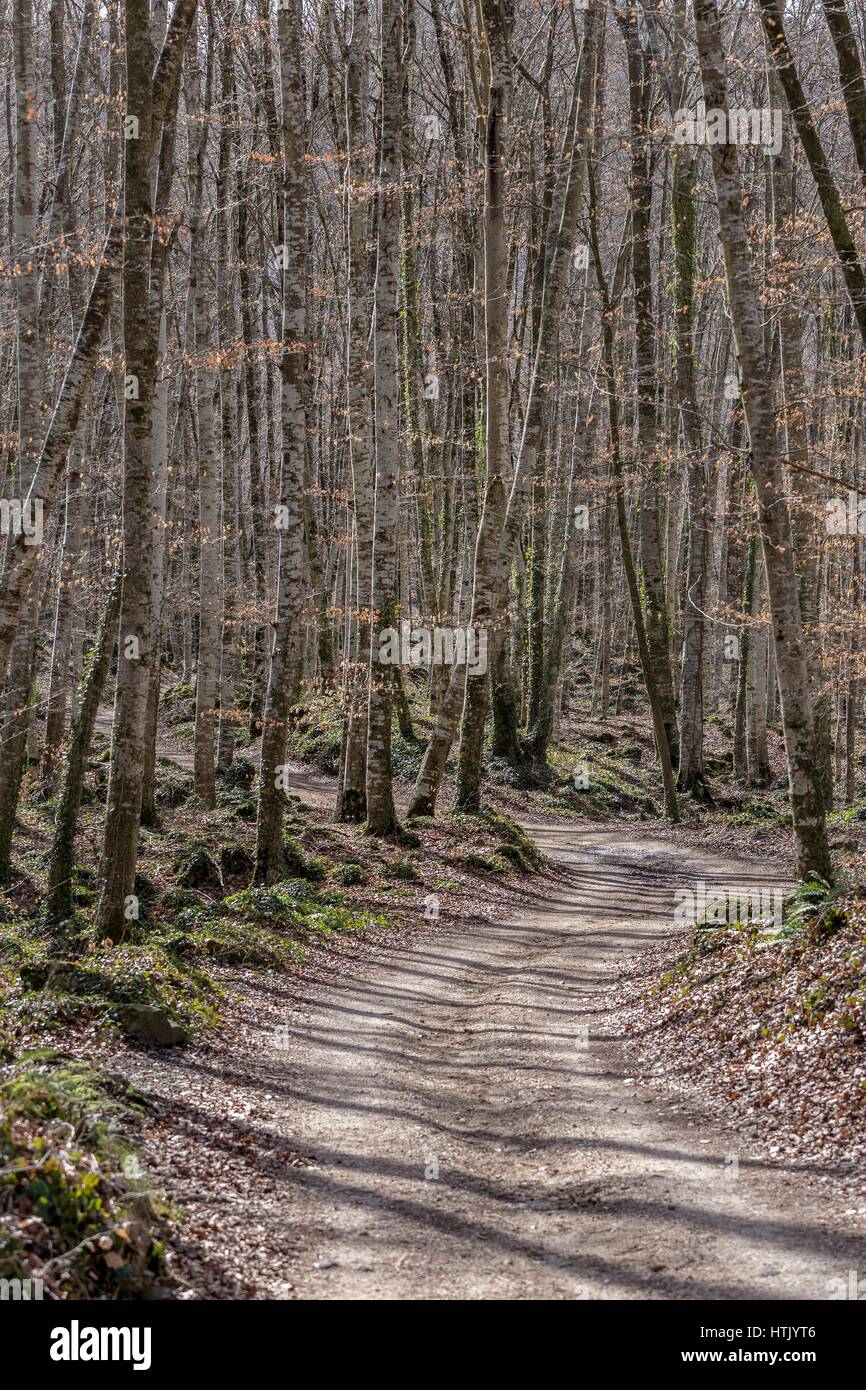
(381, 814)
(760, 394)
(150, 90)
(58, 685)
(284, 680)
(61, 856)
(352, 791)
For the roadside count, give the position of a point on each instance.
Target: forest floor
(452, 1113)
(543, 1088)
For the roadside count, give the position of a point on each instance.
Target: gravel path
(447, 1115)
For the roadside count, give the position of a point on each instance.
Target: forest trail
(462, 1124)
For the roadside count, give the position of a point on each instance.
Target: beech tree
(446, 378)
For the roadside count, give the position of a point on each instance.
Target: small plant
(405, 869)
(68, 1208)
(815, 908)
(487, 863)
(301, 865)
(173, 785)
(350, 874)
(514, 855)
(239, 775)
(195, 867)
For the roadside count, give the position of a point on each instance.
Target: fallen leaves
(778, 1052)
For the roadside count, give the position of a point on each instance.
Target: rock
(196, 868)
(40, 974)
(235, 861)
(151, 1026)
(239, 775)
(846, 842)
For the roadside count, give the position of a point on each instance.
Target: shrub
(350, 874)
(173, 784)
(239, 775)
(195, 867)
(403, 868)
(64, 1164)
(235, 860)
(302, 865)
(487, 863)
(513, 854)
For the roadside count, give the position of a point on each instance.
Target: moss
(487, 863)
(235, 860)
(98, 985)
(269, 925)
(513, 835)
(300, 864)
(174, 785)
(195, 867)
(350, 874)
(66, 1155)
(514, 855)
(403, 868)
(178, 704)
(238, 776)
(180, 691)
(177, 899)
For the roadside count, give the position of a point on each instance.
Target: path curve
(462, 1123)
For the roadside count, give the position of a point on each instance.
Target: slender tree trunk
(208, 667)
(647, 665)
(497, 445)
(757, 756)
(17, 705)
(61, 856)
(381, 815)
(150, 89)
(655, 617)
(352, 792)
(690, 777)
(64, 620)
(284, 680)
(230, 521)
(760, 394)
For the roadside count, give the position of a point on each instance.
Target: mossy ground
(73, 1211)
(198, 918)
(596, 770)
(768, 1023)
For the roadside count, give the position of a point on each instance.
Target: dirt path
(449, 1116)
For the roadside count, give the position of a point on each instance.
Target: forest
(431, 601)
